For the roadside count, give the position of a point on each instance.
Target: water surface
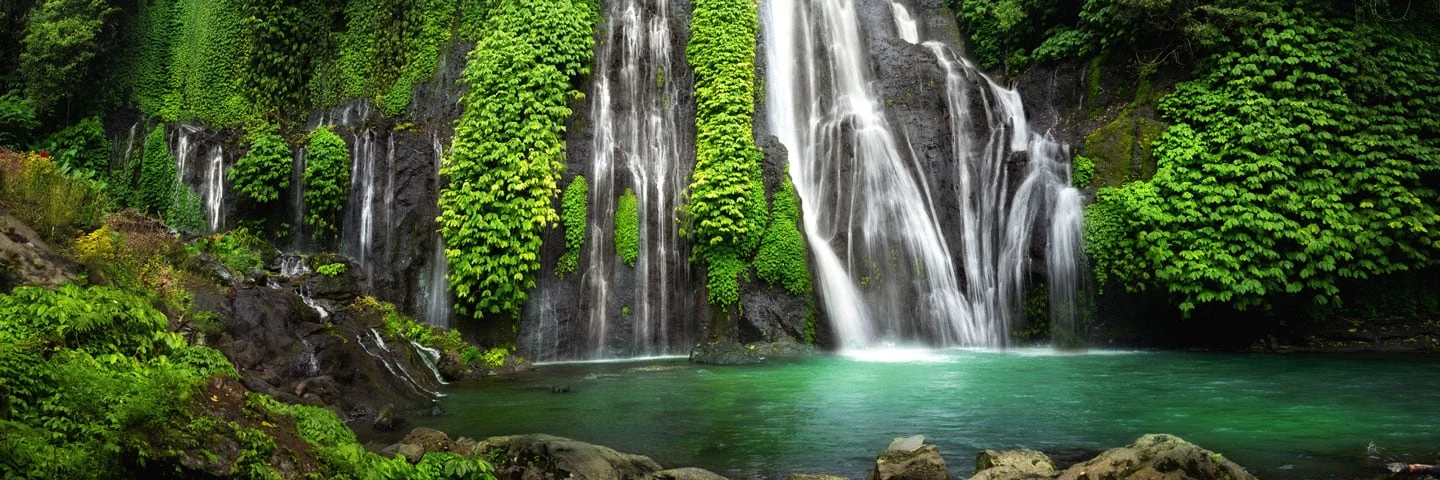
(1281, 416)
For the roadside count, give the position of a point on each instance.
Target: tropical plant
(781, 260)
(627, 228)
(265, 170)
(327, 180)
(574, 208)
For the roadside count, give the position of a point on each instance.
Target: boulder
(534, 457)
(725, 353)
(910, 462)
(452, 367)
(412, 453)
(1014, 463)
(811, 476)
(1157, 457)
(690, 473)
(430, 440)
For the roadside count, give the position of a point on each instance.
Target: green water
(1282, 416)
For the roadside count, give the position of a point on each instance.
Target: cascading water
(905, 25)
(214, 191)
(636, 102)
(297, 201)
(438, 307)
(882, 261)
(884, 264)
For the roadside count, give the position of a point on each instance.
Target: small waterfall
(1064, 260)
(372, 192)
(182, 149)
(636, 127)
(882, 261)
(293, 266)
(430, 356)
(438, 307)
(905, 25)
(214, 190)
(396, 369)
(297, 201)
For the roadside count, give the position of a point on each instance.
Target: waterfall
(1064, 260)
(905, 25)
(214, 191)
(438, 307)
(182, 148)
(884, 265)
(297, 201)
(636, 127)
(372, 193)
(882, 261)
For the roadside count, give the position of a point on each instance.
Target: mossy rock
(1122, 149)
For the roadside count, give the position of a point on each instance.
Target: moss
(1122, 151)
(627, 228)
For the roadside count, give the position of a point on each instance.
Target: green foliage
(509, 144)
(56, 204)
(157, 174)
(62, 39)
(1298, 159)
(264, 170)
(238, 249)
(90, 374)
(331, 270)
(327, 180)
(575, 210)
(81, 147)
(627, 228)
(1082, 171)
(17, 121)
(782, 258)
(726, 206)
(207, 64)
(187, 210)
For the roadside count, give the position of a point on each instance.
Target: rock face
(534, 457)
(908, 458)
(27, 260)
(1157, 456)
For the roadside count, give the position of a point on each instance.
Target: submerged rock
(545, 456)
(725, 353)
(809, 476)
(905, 460)
(1158, 456)
(689, 473)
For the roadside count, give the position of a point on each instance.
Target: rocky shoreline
(539, 456)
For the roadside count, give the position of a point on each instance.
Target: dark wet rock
(810, 476)
(921, 463)
(1013, 465)
(388, 419)
(782, 349)
(688, 473)
(1158, 456)
(725, 353)
(533, 457)
(772, 315)
(340, 288)
(452, 367)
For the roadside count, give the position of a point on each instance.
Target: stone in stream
(547, 456)
(1157, 456)
(905, 460)
(1013, 465)
(809, 476)
(688, 473)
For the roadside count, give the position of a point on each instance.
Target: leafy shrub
(503, 171)
(782, 257)
(627, 228)
(57, 205)
(574, 206)
(727, 208)
(327, 180)
(331, 270)
(17, 121)
(1082, 172)
(264, 170)
(80, 148)
(238, 249)
(1298, 159)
